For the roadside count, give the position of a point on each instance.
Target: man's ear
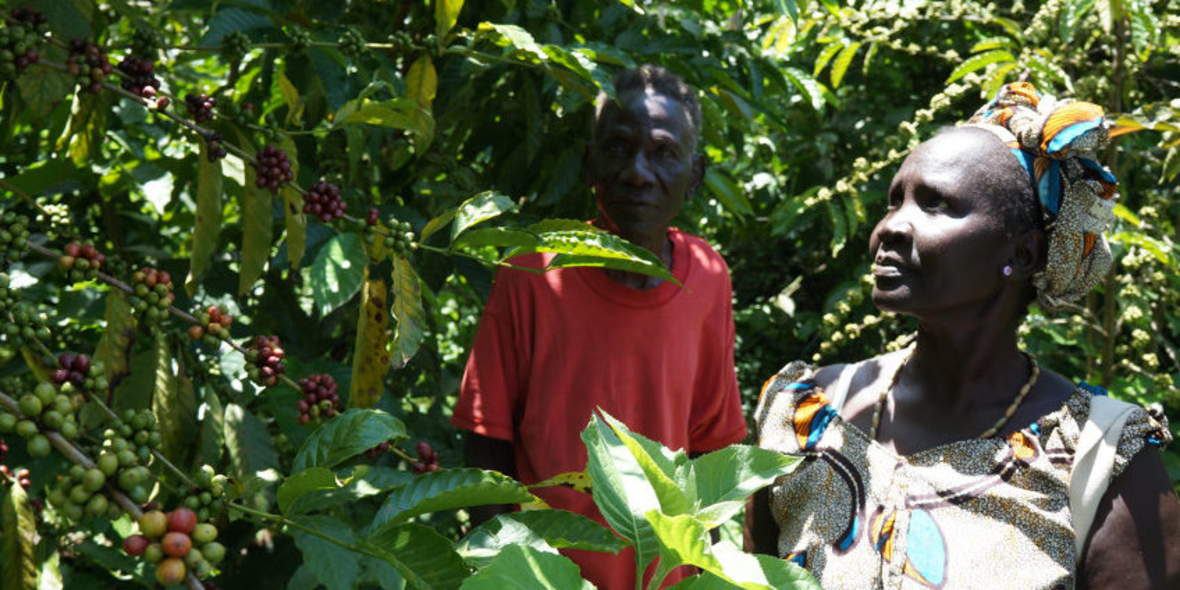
(1029, 251)
(698, 175)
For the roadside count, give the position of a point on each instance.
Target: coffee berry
(81, 262)
(265, 358)
(273, 168)
(89, 64)
(321, 398)
(323, 200)
(153, 293)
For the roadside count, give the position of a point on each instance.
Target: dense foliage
(245, 246)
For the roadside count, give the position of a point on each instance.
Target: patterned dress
(979, 513)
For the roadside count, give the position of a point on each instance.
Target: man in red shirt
(553, 347)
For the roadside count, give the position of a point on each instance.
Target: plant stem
(26, 198)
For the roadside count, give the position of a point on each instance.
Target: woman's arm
(1135, 540)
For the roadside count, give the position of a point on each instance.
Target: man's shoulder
(701, 252)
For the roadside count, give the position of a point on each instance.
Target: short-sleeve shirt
(552, 347)
(979, 513)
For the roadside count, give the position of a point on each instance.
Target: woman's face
(942, 244)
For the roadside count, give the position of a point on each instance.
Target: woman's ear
(1029, 251)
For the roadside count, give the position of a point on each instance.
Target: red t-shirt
(552, 347)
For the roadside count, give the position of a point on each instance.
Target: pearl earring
(1007, 270)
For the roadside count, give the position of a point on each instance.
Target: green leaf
(1109, 12)
(257, 232)
(304, 482)
(839, 226)
(830, 50)
(437, 223)
(135, 391)
(422, 80)
(1048, 70)
(333, 566)
(446, 14)
(731, 196)
(979, 62)
(807, 85)
(787, 7)
(291, 98)
(174, 405)
(622, 491)
(337, 272)
(512, 35)
(18, 541)
(587, 243)
(999, 78)
(684, 540)
(553, 529)
(87, 127)
(659, 464)
(43, 91)
(345, 436)
(212, 436)
(1171, 166)
(396, 113)
(840, 66)
(990, 43)
(370, 358)
(248, 443)
(114, 346)
(731, 474)
(500, 237)
(478, 209)
(526, 567)
(207, 226)
(423, 557)
(407, 310)
(448, 489)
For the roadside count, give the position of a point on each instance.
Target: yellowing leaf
(291, 98)
(18, 541)
(257, 231)
(446, 14)
(370, 359)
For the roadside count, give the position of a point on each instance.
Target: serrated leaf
(337, 272)
(446, 14)
(446, 490)
(18, 541)
(811, 89)
(423, 557)
(248, 443)
(732, 474)
(526, 567)
(257, 232)
(979, 62)
(555, 529)
(731, 196)
(174, 405)
(840, 66)
(478, 209)
(422, 80)
(301, 483)
(346, 436)
(370, 358)
(334, 566)
(830, 50)
(622, 491)
(407, 310)
(207, 225)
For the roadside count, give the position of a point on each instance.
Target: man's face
(641, 164)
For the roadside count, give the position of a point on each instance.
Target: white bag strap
(1093, 462)
(838, 392)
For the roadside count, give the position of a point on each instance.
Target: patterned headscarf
(1052, 140)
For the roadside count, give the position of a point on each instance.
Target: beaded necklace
(1034, 372)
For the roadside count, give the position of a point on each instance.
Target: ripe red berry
(182, 520)
(136, 544)
(176, 544)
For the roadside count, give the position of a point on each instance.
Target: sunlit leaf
(422, 80)
(337, 272)
(526, 567)
(423, 557)
(301, 483)
(732, 474)
(87, 126)
(787, 7)
(480, 208)
(114, 346)
(727, 191)
(830, 50)
(407, 311)
(446, 14)
(552, 529)
(448, 489)
(257, 232)
(811, 89)
(248, 443)
(18, 540)
(840, 66)
(290, 96)
(370, 358)
(979, 62)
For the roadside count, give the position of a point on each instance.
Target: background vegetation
(468, 122)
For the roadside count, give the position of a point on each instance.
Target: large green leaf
(547, 530)
(337, 272)
(840, 66)
(346, 436)
(978, 62)
(407, 310)
(43, 91)
(685, 540)
(727, 191)
(114, 346)
(18, 541)
(135, 391)
(622, 491)
(207, 226)
(88, 119)
(448, 489)
(370, 358)
(302, 483)
(426, 559)
(446, 14)
(660, 465)
(174, 405)
(396, 113)
(257, 232)
(526, 567)
(334, 566)
(728, 476)
(586, 247)
(479, 209)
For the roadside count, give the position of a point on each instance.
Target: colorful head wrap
(1052, 140)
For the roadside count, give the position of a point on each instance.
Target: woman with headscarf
(959, 462)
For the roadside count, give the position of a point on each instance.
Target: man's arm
(492, 454)
(1135, 541)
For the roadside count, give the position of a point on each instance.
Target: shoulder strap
(838, 392)
(1093, 462)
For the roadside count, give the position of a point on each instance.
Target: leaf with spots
(370, 359)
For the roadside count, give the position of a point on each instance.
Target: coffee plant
(212, 374)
